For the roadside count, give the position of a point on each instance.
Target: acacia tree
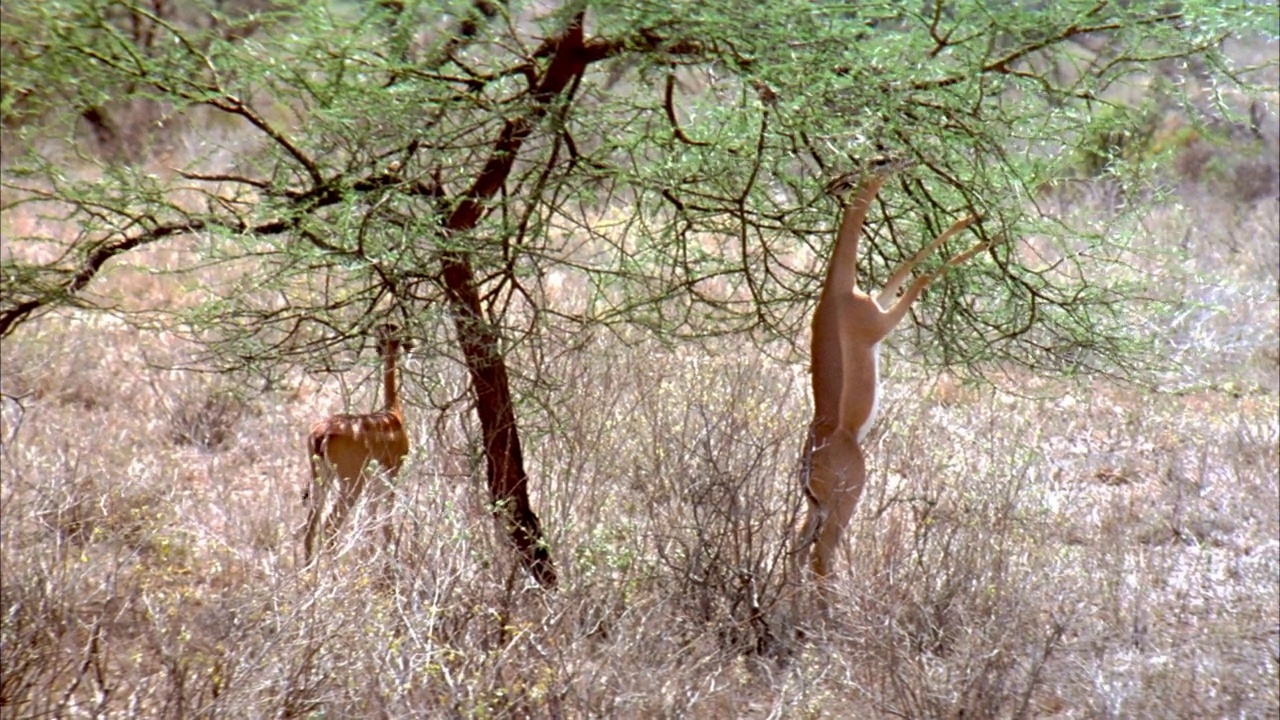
(349, 161)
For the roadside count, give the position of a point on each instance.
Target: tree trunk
(508, 483)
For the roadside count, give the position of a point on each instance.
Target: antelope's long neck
(842, 272)
(390, 398)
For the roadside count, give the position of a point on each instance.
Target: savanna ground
(1028, 546)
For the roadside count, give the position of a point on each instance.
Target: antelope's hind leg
(839, 474)
(315, 498)
(347, 475)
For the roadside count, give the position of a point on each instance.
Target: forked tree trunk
(508, 483)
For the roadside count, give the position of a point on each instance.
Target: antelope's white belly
(875, 396)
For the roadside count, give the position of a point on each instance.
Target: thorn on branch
(670, 107)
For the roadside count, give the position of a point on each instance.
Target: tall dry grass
(1027, 547)
(1035, 548)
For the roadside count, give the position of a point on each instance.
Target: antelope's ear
(841, 186)
(883, 165)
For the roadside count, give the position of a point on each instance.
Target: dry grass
(1034, 549)
(1031, 548)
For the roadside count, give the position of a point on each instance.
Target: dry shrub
(704, 493)
(203, 414)
(1066, 550)
(1040, 548)
(984, 564)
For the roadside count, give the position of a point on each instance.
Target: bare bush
(1083, 551)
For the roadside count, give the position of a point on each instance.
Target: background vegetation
(1092, 531)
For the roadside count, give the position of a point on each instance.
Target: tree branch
(668, 104)
(1001, 64)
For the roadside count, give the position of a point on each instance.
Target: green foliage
(675, 183)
